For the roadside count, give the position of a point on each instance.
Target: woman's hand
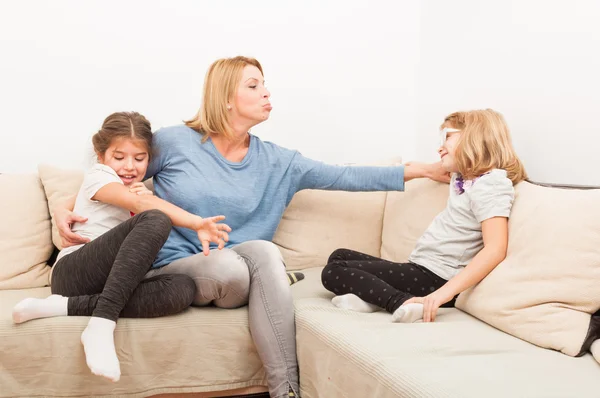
(140, 189)
(437, 173)
(431, 303)
(210, 230)
(64, 219)
(433, 171)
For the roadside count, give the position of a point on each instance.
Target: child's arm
(64, 217)
(207, 228)
(495, 241)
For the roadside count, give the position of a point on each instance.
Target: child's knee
(158, 220)
(338, 254)
(329, 273)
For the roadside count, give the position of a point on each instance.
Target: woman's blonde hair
(220, 85)
(484, 144)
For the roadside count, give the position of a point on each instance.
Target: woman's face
(251, 103)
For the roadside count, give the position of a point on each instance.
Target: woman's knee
(226, 273)
(265, 248)
(264, 262)
(227, 285)
(235, 275)
(261, 254)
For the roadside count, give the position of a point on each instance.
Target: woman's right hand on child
(209, 230)
(64, 219)
(433, 171)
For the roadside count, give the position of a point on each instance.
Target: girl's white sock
(408, 313)
(34, 308)
(354, 303)
(99, 346)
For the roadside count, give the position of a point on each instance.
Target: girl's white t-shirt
(454, 237)
(102, 217)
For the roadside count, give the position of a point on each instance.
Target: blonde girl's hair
(220, 85)
(484, 144)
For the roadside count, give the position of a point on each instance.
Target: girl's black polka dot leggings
(377, 281)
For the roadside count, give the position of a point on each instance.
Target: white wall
(352, 81)
(342, 73)
(536, 61)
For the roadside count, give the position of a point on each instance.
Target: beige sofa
(209, 351)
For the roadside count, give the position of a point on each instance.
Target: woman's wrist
(413, 171)
(428, 170)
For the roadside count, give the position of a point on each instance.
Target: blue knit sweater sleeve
(311, 174)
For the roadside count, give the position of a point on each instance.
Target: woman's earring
(228, 107)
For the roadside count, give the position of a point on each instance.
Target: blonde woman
(463, 244)
(213, 163)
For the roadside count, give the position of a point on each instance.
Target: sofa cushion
(347, 354)
(25, 243)
(408, 214)
(313, 288)
(201, 349)
(318, 222)
(59, 184)
(547, 287)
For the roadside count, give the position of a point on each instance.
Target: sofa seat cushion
(201, 349)
(343, 353)
(311, 286)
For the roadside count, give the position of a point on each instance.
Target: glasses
(444, 134)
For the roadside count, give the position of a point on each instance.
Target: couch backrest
(25, 243)
(59, 184)
(408, 214)
(547, 287)
(314, 224)
(318, 222)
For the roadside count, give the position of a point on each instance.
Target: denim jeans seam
(270, 316)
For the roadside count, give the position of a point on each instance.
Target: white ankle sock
(354, 303)
(595, 350)
(408, 313)
(34, 308)
(99, 346)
